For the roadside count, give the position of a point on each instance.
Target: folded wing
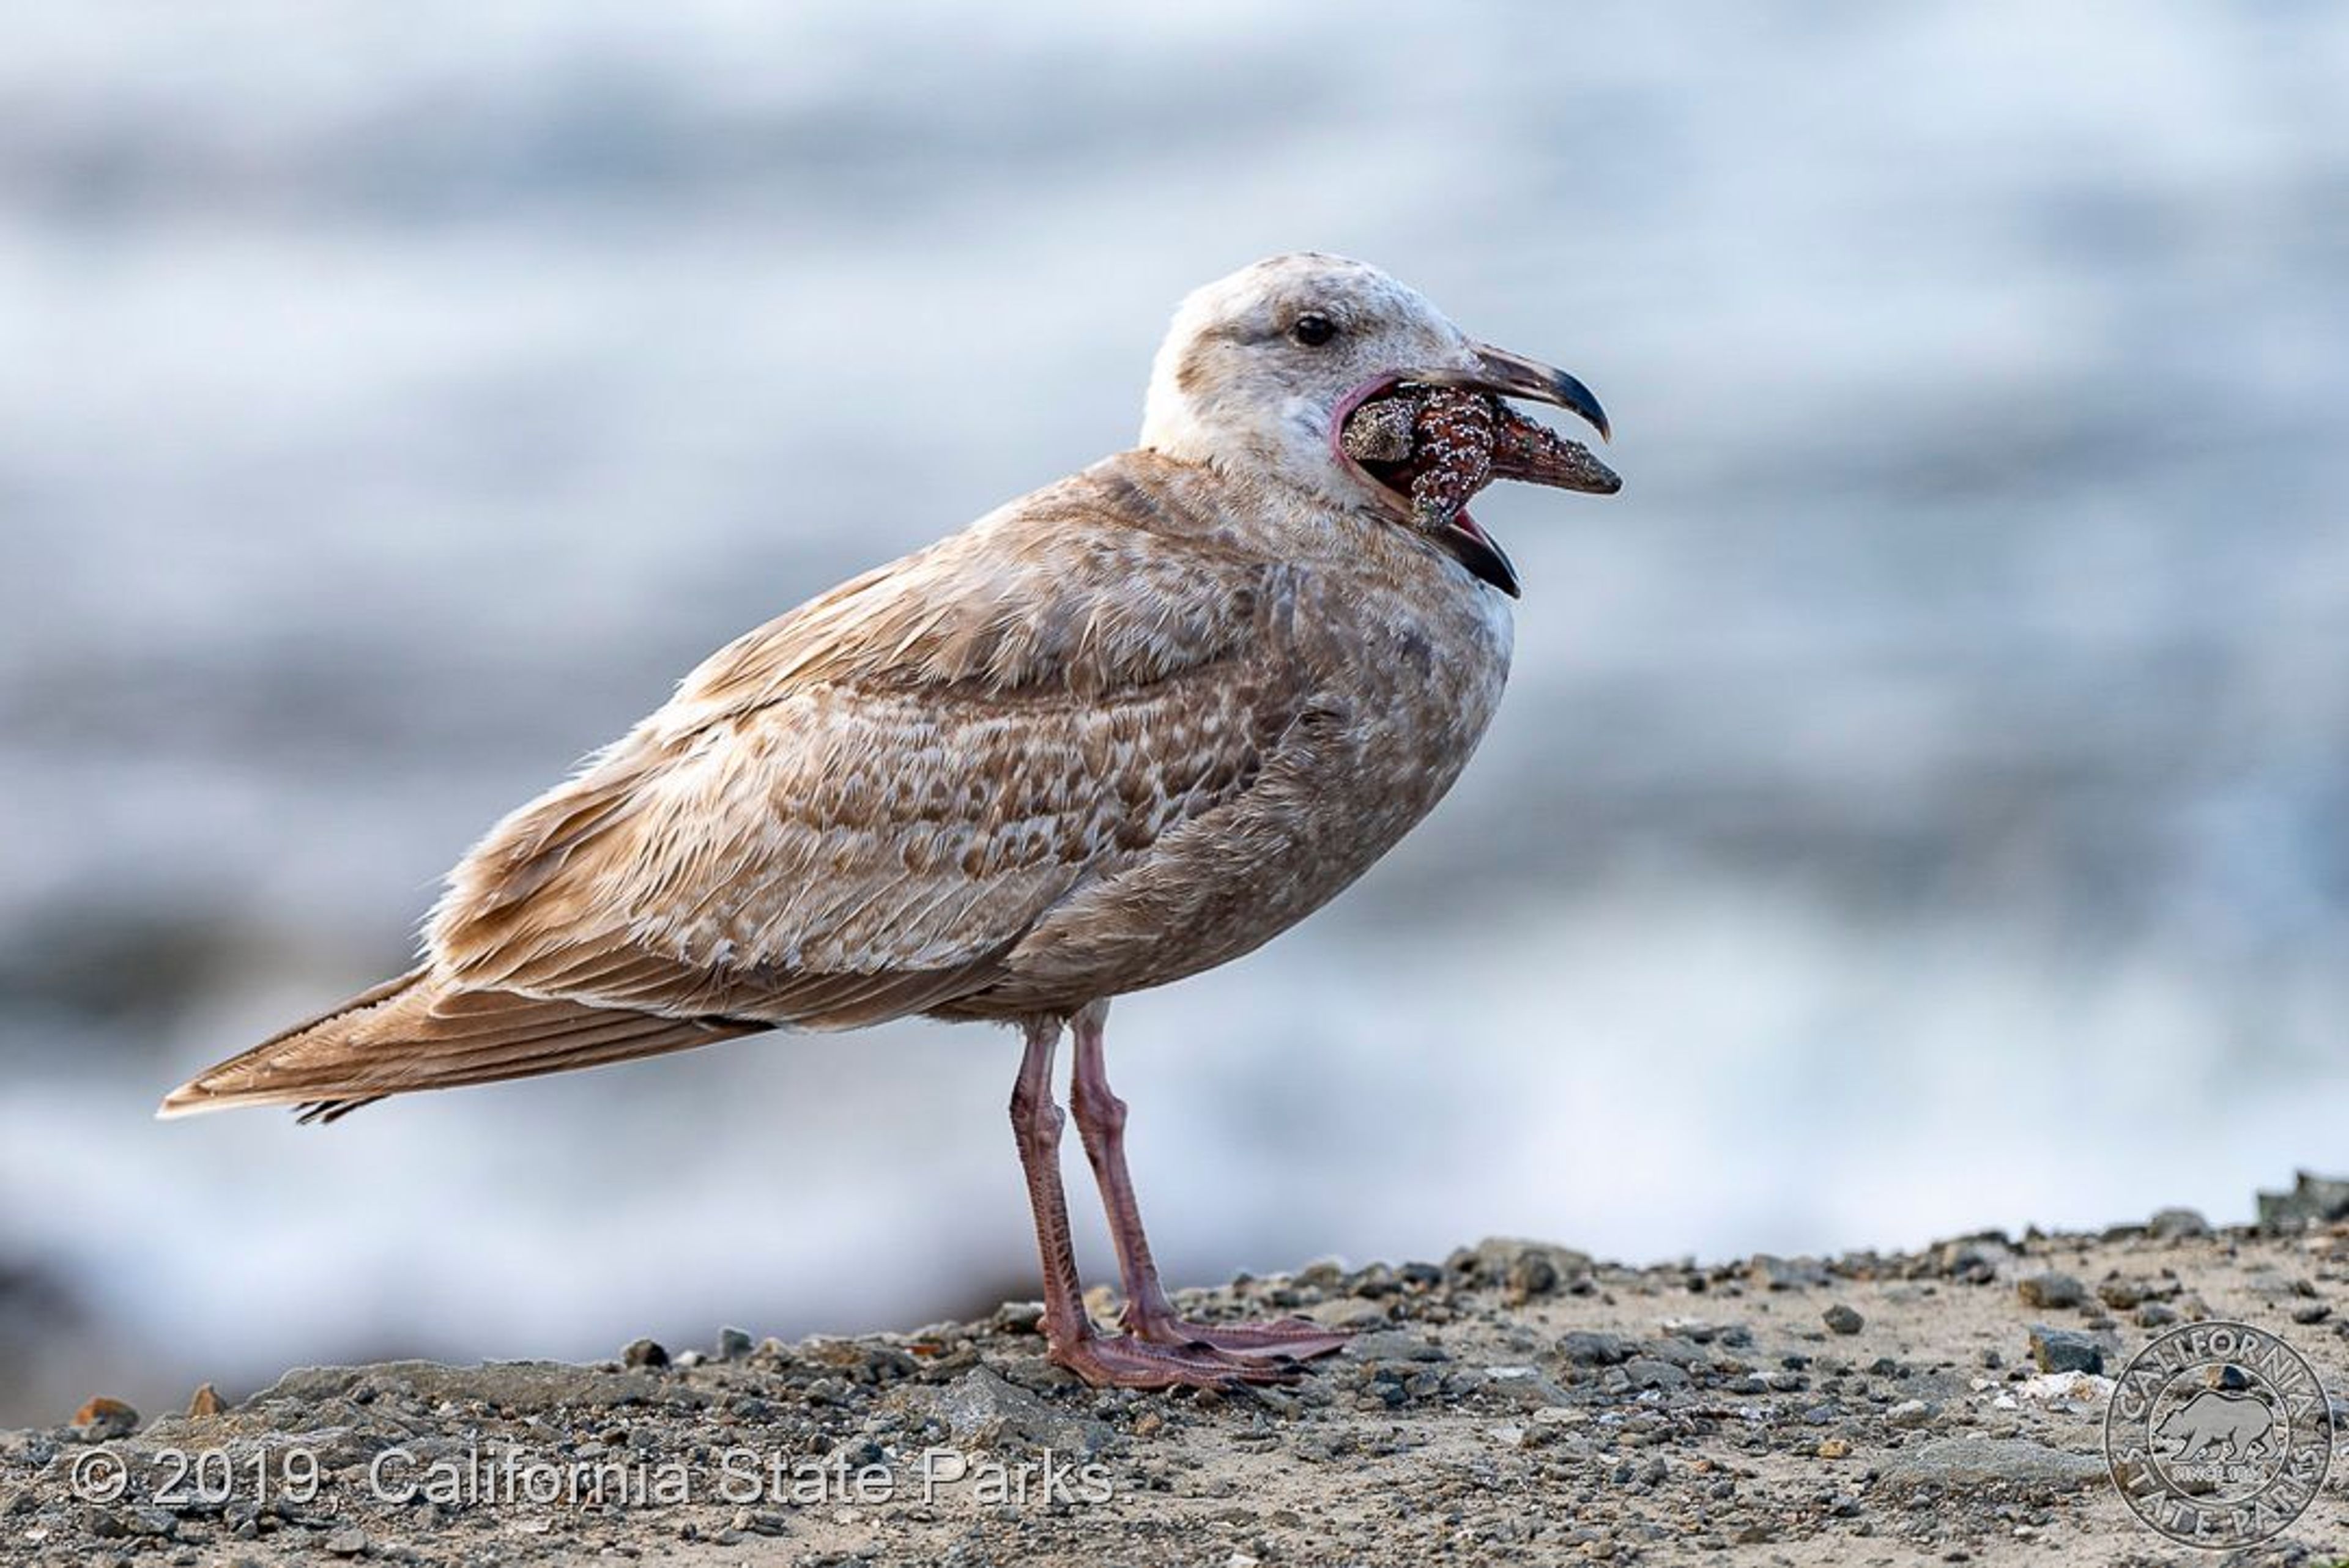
(848, 815)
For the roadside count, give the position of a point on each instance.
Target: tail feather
(419, 1032)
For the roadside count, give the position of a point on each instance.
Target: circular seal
(2218, 1434)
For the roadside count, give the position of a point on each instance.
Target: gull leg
(1120, 1360)
(1150, 1316)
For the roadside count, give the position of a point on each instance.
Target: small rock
(105, 1418)
(2171, 1224)
(1910, 1414)
(2156, 1315)
(1972, 1259)
(347, 1541)
(1843, 1319)
(2121, 1295)
(1649, 1372)
(2066, 1389)
(645, 1352)
(982, 1409)
(205, 1401)
(2313, 1200)
(523, 1387)
(1347, 1311)
(1584, 1348)
(1834, 1449)
(1955, 1463)
(145, 1520)
(1394, 1344)
(1020, 1317)
(733, 1345)
(1522, 1269)
(2065, 1350)
(1525, 1388)
(2050, 1291)
(1772, 1272)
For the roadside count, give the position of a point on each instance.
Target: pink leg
(1123, 1360)
(1150, 1316)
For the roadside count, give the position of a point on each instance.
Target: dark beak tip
(1577, 398)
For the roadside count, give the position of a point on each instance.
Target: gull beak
(1508, 374)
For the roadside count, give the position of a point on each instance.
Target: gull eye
(1313, 330)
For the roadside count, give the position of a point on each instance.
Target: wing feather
(853, 813)
(896, 779)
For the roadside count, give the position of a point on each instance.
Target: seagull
(1114, 733)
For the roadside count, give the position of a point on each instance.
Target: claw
(1126, 1361)
(1288, 1339)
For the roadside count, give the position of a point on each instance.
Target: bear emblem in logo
(2219, 1434)
(2215, 1426)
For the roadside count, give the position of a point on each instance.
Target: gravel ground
(1517, 1402)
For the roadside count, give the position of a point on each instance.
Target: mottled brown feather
(1117, 732)
(854, 813)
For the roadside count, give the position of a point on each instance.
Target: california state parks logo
(2219, 1434)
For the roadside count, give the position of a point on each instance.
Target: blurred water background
(1922, 803)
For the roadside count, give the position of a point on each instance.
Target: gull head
(1260, 369)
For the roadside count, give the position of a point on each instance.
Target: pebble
(2066, 1388)
(105, 1418)
(2313, 1200)
(147, 1520)
(1585, 1348)
(1773, 1272)
(734, 1345)
(1522, 1269)
(644, 1353)
(982, 1409)
(2065, 1350)
(1653, 1430)
(1649, 1372)
(1527, 1387)
(1971, 1463)
(2051, 1291)
(2121, 1295)
(1972, 1259)
(1020, 1317)
(1348, 1312)
(2171, 1224)
(1394, 1344)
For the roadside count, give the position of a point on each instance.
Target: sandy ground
(1517, 1402)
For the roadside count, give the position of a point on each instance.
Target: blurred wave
(1923, 802)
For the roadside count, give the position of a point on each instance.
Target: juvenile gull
(1112, 734)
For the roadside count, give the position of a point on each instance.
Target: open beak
(1511, 375)
(1529, 452)
(1508, 374)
